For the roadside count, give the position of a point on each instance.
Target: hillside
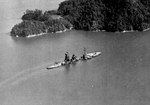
(35, 23)
(117, 15)
(89, 15)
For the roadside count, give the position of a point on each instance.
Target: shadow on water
(67, 68)
(74, 64)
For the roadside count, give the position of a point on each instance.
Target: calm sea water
(120, 76)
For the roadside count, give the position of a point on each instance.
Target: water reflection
(67, 68)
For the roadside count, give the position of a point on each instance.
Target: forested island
(88, 15)
(34, 23)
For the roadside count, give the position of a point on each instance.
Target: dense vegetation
(114, 15)
(36, 22)
(38, 15)
(26, 28)
(94, 15)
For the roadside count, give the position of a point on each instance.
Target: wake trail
(25, 74)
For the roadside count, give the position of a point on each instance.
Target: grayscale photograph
(74, 52)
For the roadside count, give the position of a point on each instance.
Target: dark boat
(63, 63)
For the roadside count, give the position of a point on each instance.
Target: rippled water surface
(120, 76)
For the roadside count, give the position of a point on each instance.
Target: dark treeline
(114, 15)
(58, 25)
(36, 22)
(26, 28)
(38, 15)
(109, 15)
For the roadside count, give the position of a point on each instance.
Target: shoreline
(125, 31)
(34, 35)
(146, 29)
